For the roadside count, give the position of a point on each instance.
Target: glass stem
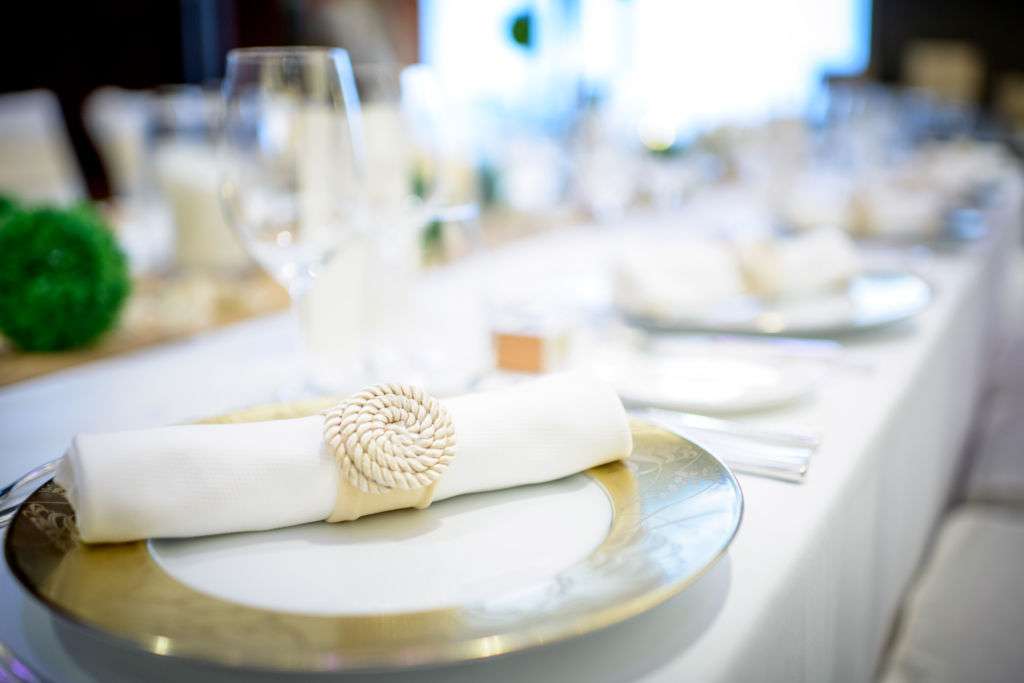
(298, 291)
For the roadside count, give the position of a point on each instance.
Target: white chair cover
(36, 159)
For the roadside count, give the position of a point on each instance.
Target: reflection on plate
(871, 300)
(673, 511)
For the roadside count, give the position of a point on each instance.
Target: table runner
(159, 310)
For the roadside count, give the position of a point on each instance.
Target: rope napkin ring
(392, 443)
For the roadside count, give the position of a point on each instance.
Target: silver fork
(14, 493)
(774, 453)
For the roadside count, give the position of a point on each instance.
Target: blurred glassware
(674, 175)
(454, 232)
(123, 124)
(401, 115)
(607, 165)
(186, 168)
(292, 162)
(533, 172)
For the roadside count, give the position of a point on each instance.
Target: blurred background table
(162, 309)
(809, 587)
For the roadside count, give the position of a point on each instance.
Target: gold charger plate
(676, 509)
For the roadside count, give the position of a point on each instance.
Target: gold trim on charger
(675, 509)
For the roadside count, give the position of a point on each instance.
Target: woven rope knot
(390, 436)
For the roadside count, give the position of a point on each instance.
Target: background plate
(705, 382)
(873, 299)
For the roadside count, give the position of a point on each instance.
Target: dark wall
(75, 47)
(72, 47)
(995, 27)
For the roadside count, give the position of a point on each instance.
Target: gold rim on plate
(675, 507)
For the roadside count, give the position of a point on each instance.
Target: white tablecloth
(807, 590)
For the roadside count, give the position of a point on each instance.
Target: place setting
(649, 513)
(814, 285)
(390, 528)
(220, 540)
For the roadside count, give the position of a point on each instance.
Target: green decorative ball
(63, 279)
(7, 207)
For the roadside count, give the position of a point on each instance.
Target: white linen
(818, 261)
(194, 480)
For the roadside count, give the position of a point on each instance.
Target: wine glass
(292, 165)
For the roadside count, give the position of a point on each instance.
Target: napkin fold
(701, 277)
(662, 280)
(195, 480)
(817, 261)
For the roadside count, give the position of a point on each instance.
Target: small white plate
(705, 382)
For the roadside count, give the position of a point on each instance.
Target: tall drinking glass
(400, 113)
(292, 165)
(402, 179)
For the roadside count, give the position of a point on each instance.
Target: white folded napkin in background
(663, 280)
(817, 261)
(960, 167)
(891, 206)
(195, 480)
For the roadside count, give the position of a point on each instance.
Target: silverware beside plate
(783, 454)
(673, 509)
(12, 494)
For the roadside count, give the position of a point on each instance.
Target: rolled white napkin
(813, 262)
(663, 280)
(195, 480)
